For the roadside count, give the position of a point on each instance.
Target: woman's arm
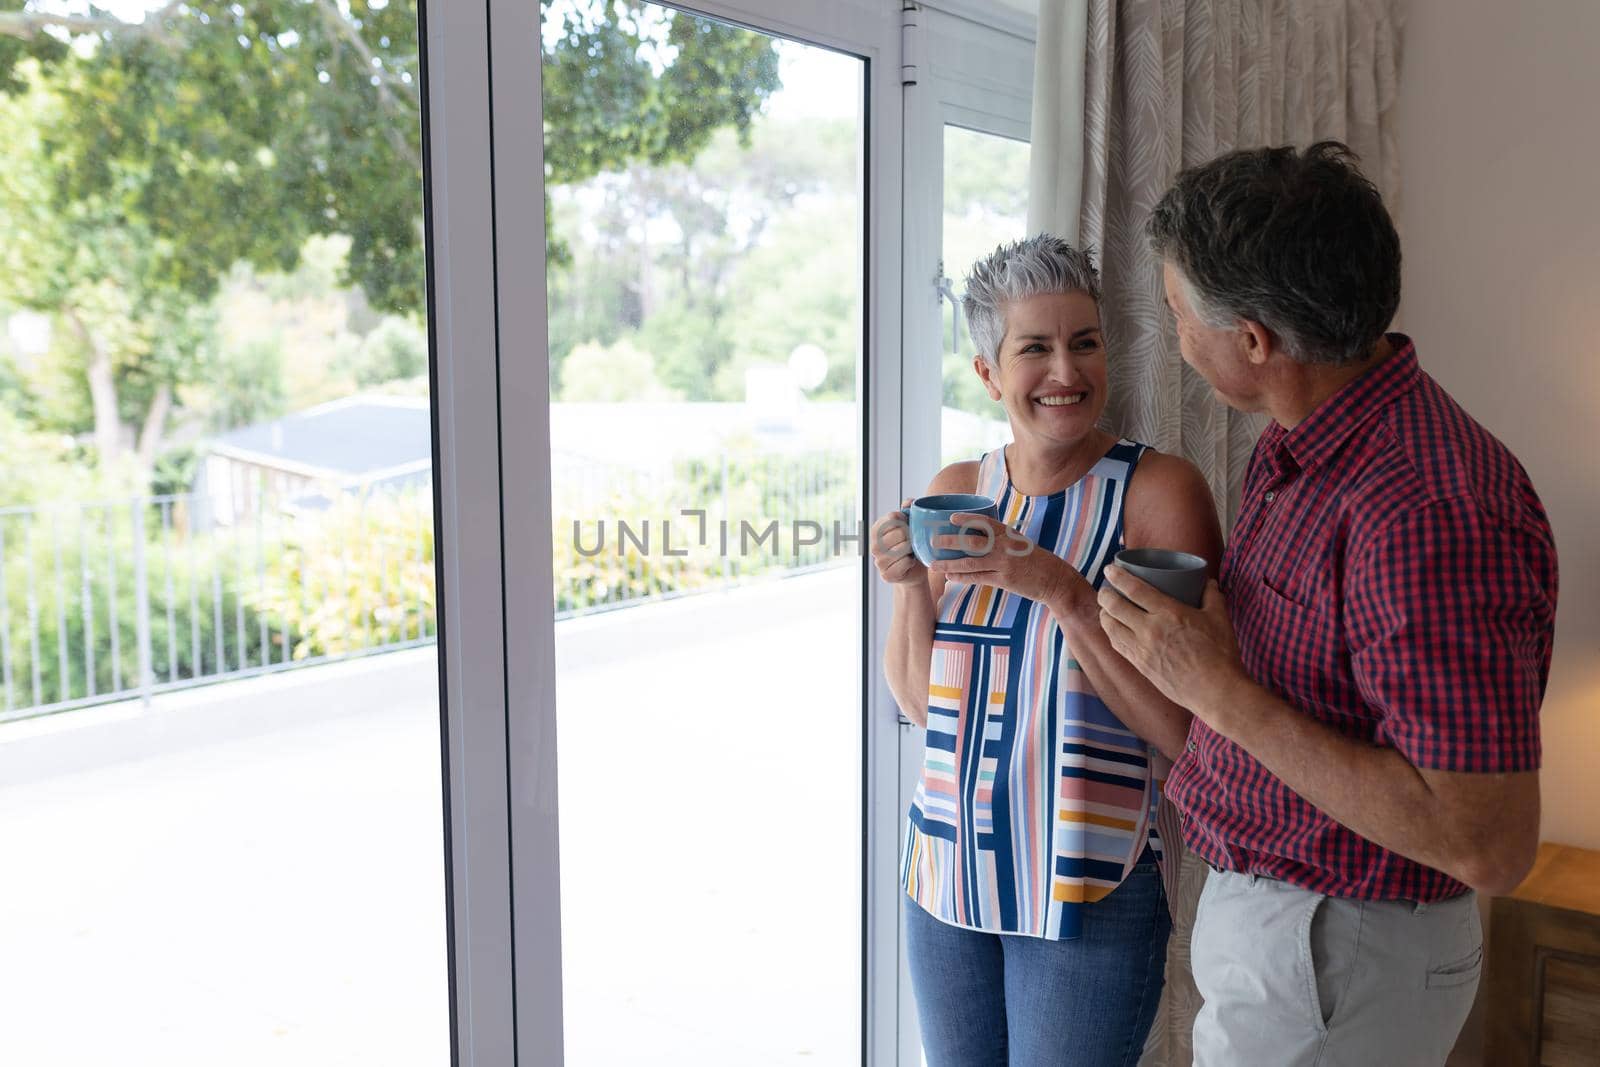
(909, 654)
(1168, 506)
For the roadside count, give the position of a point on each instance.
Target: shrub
(356, 576)
(360, 574)
(396, 349)
(79, 569)
(596, 566)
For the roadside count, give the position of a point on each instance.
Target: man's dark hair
(1297, 241)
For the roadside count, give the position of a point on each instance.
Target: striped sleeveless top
(1035, 800)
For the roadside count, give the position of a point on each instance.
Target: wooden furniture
(1543, 981)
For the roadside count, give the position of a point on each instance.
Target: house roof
(377, 438)
(352, 437)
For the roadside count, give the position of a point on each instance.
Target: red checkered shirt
(1392, 574)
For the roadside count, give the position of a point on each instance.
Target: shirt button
(1270, 496)
(1192, 747)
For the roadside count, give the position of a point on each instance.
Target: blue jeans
(993, 1000)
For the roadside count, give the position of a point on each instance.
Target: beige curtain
(1171, 83)
(1167, 84)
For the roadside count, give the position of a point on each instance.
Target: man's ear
(988, 376)
(1259, 342)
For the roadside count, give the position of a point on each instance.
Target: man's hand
(1189, 654)
(1011, 562)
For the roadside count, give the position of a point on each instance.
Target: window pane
(985, 203)
(706, 318)
(220, 801)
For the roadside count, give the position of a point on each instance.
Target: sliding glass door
(719, 360)
(220, 776)
(706, 334)
(702, 772)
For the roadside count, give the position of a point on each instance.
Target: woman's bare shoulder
(1169, 505)
(959, 477)
(1161, 476)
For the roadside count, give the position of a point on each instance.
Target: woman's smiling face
(1051, 373)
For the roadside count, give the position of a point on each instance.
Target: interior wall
(1499, 128)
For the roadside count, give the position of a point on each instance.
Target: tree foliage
(629, 82)
(752, 254)
(232, 132)
(23, 36)
(151, 158)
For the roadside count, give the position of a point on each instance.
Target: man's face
(1218, 354)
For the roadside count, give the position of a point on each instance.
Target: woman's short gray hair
(1040, 264)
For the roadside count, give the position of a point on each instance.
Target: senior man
(1366, 677)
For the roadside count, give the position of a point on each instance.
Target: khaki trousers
(1293, 978)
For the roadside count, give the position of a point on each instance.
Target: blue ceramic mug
(930, 518)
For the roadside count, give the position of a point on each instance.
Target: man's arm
(1449, 616)
(1481, 829)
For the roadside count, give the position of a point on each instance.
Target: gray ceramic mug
(1178, 574)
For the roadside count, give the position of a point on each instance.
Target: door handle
(947, 291)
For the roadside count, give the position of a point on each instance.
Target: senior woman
(1037, 925)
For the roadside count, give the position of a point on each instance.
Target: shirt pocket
(1278, 615)
(1289, 647)
(1286, 589)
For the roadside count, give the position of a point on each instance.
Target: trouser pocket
(1309, 939)
(1457, 956)
(1460, 972)
(1458, 960)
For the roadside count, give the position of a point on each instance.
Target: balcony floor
(251, 873)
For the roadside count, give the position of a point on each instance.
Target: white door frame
(484, 178)
(974, 69)
(469, 522)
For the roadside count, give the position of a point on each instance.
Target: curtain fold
(1168, 84)
(1055, 170)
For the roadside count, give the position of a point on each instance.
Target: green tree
(611, 373)
(688, 343)
(52, 468)
(629, 81)
(665, 246)
(985, 173)
(395, 350)
(245, 385)
(105, 275)
(26, 35)
(798, 288)
(157, 155)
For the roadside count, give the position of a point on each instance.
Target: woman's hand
(891, 549)
(1012, 562)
